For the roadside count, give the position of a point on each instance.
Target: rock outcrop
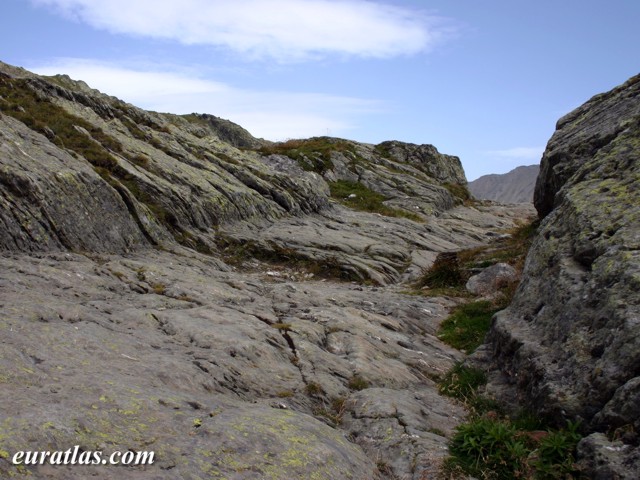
(569, 344)
(172, 284)
(516, 186)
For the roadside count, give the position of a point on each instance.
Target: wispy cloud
(521, 153)
(268, 114)
(285, 30)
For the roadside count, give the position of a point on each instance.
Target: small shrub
(493, 447)
(555, 457)
(313, 388)
(140, 274)
(444, 273)
(119, 275)
(358, 383)
(487, 445)
(459, 191)
(335, 413)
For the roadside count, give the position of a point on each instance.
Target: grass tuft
(358, 383)
(357, 196)
(467, 326)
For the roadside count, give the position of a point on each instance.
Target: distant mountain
(514, 187)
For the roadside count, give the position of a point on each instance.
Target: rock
(581, 135)
(491, 279)
(191, 365)
(163, 289)
(426, 158)
(50, 200)
(603, 459)
(569, 344)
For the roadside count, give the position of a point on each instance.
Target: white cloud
(521, 153)
(284, 30)
(267, 114)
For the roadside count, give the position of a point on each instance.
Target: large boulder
(569, 344)
(580, 135)
(491, 279)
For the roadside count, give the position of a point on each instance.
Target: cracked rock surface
(221, 374)
(172, 284)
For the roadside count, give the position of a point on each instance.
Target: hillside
(515, 186)
(243, 309)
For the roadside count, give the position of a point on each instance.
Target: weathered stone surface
(168, 352)
(50, 200)
(604, 459)
(569, 344)
(580, 135)
(491, 279)
(249, 360)
(426, 158)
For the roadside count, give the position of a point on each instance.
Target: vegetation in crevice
(333, 412)
(468, 324)
(493, 445)
(357, 196)
(237, 252)
(460, 192)
(451, 270)
(357, 383)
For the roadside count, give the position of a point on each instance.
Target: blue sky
(484, 80)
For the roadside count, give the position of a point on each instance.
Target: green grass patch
(357, 196)
(494, 446)
(461, 382)
(467, 326)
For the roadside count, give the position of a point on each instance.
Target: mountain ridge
(515, 186)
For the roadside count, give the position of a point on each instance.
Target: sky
(482, 80)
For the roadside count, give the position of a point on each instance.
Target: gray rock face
(219, 373)
(515, 186)
(581, 135)
(444, 168)
(130, 179)
(569, 344)
(50, 200)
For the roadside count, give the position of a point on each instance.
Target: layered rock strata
(172, 284)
